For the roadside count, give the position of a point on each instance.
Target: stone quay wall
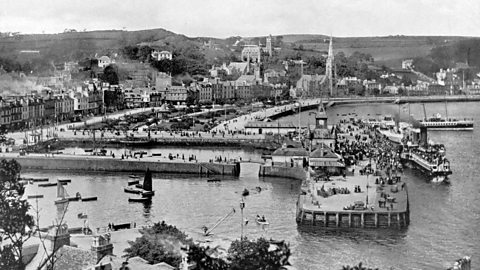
(118, 165)
(284, 172)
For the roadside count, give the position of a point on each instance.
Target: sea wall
(115, 165)
(284, 172)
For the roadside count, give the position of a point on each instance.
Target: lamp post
(242, 205)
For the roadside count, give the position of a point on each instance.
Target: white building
(162, 55)
(104, 61)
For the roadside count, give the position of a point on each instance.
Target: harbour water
(444, 218)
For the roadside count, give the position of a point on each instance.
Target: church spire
(329, 67)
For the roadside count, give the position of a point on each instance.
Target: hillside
(389, 50)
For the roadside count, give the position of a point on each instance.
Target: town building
(321, 135)
(290, 157)
(270, 128)
(176, 95)
(323, 159)
(251, 53)
(312, 86)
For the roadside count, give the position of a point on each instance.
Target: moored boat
(132, 190)
(143, 199)
(437, 122)
(261, 221)
(86, 199)
(51, 184)
(61, 194)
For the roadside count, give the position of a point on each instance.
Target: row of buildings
(44, 107)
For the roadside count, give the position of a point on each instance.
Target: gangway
(208, 231)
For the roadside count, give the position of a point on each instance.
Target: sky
(224, 18)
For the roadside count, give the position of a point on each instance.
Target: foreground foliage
(159, 243)
(15, 222)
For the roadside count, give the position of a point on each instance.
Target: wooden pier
(366, 219)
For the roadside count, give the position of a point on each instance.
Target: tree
(247, 254)
(159, 243)
(357, 267)
(15, 222)
(110, 75)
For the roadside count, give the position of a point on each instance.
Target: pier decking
(352, 210)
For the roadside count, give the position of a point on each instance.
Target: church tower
(269, 45)
(329, 67)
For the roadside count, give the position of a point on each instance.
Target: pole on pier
(242, 205)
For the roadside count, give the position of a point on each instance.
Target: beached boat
(134, 176)
(214, 180)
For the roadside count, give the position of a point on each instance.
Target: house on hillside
(161, 55)
(104, 61)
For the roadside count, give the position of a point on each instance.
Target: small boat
(64, 180)
(50, 184)
(35, 196)
(261, 221)
(148, 193)
(82, 215)
(132, 190)
(77, 197)
(214, 180)
(133, 182)
(86, 199)
(37, 179)
(143, 199)
(134, 176)
(88, 150)
(245, 192)
(61, 198)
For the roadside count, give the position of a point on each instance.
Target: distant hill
(389, 50)
(75, 45)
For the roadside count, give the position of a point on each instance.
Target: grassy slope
(70, 46)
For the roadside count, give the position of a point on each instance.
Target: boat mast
(424, 111)
(446, 111)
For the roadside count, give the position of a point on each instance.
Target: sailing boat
(61, 192)
(147, 185)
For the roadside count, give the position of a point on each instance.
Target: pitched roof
(323, 152)
(73, 258)
(290, 152)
